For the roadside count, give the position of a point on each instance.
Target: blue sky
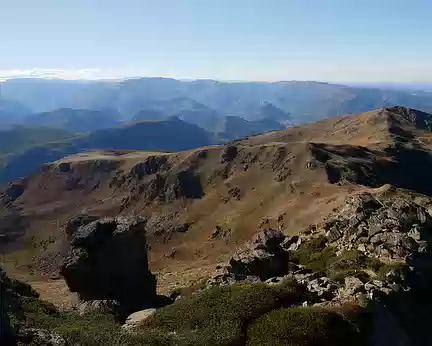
(330, 40)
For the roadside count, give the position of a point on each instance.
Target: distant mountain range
(75, 120)
(303, 102)
(56, 118)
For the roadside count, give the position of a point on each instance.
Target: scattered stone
(274, 281)
(135, 319)
(182, 228)
(98, 306)
(289, 241)
(323, 287)
(33, 336)
(221, 233)
(353, 285)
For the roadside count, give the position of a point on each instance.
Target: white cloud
(297, 70)
(67, 74)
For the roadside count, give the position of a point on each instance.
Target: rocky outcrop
(229, 154)
(152, 164)
(183, 184)
(108, 262)
(396, 229)
(76, 222)
(262, 256)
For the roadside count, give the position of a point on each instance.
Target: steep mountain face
(171, 134)
(302, 101)
(201, 204)
(75, 120)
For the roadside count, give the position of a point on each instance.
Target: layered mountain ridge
(202, 203)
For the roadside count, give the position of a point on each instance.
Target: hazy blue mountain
(149, 114)
(75, 120)
(270, 111)
(43, 95)
(301, 101)
(232, 127)
(170, 134)
(225, 127)
(19, 138)
(183, 108)
(11, 112)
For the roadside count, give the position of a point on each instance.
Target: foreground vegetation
(242, 314)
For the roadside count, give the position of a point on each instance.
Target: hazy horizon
(335, 41)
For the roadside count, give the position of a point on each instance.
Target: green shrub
(314, 255)
(319, 261)
(218, 315)
(359, 274)
(352, 262)
(302, 326)
(317, 257)
(36, 306)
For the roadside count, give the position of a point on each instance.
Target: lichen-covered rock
(108, 261)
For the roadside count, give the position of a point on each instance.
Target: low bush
(340, 276)
(302, 326)
(317, 257)
(218, 315)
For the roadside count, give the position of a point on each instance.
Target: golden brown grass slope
(201, 204)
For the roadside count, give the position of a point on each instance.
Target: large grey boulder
(108, 262)
(263, 256)
(135, 319)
